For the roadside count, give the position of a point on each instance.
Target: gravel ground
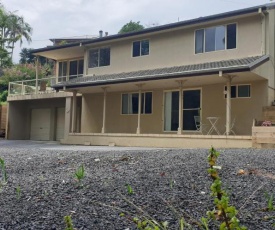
(160, 179)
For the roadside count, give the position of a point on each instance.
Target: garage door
(60, 123)
(40, 124)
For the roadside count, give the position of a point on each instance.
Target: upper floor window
(70, 69)
(62, 69)
(140, 48)
(130, 103)
(215, 38)
(239, 91)
(99, 57)
(76, 68)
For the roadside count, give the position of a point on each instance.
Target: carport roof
(227, 66)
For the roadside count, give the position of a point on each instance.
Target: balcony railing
(27, 87)
(37, 86)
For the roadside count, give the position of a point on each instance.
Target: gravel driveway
(41, 187)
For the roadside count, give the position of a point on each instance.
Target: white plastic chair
(199, 125)
(231, 127)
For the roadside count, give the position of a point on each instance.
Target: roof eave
(151, 78)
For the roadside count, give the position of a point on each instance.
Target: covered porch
(117, 112)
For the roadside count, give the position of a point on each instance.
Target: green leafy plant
(224, 213)
(269, 198)
(3, 168)
(172, 183)
(149, 224)
(80, 173)
(205, 222)
(18, 192)
(129, 189)
(68, 223)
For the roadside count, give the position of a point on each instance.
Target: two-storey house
(146, 88)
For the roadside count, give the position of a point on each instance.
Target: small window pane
(80, 67)
(145, 47)
(134, 103)
(73, 68)
(175, 111)
(231, 36)
(136, 49)
(148, 102)
(124, 103)
(210, 39)
(60, 69)
(244, 91)
(233, 91)
(93, 58)
(199, 41)
(220, 38)
(104, 57)
(142, 103)
(64, 71)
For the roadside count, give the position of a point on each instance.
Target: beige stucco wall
(243, 109)
(213, 104)
(19, 116)
(177, 47)
(18, 121)
(92, 113)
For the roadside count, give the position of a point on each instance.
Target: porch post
(180, 106)
(68, 117)
(139, 107)
(228, 105)
(36, 74)
(104, 110)
(74, 112)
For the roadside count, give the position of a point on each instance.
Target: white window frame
(128, 109)
(237, 91)
(225, 48)
(163, 105)
(140, 55)
(66, 77)
(98, 61)
(77, 75)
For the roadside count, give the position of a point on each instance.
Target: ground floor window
(130, 103)
(239, 91)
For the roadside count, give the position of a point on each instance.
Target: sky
(73, 18)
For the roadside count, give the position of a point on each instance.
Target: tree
(13, 28)
(131, 27)
(26, 56)
(17, 30)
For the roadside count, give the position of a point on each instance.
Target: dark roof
(163, 27)
(227, 66)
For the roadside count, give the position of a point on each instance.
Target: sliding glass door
(171, 111)
(191, 108)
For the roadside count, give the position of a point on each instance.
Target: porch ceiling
(65, 53)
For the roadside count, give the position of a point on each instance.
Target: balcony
(37, 86)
